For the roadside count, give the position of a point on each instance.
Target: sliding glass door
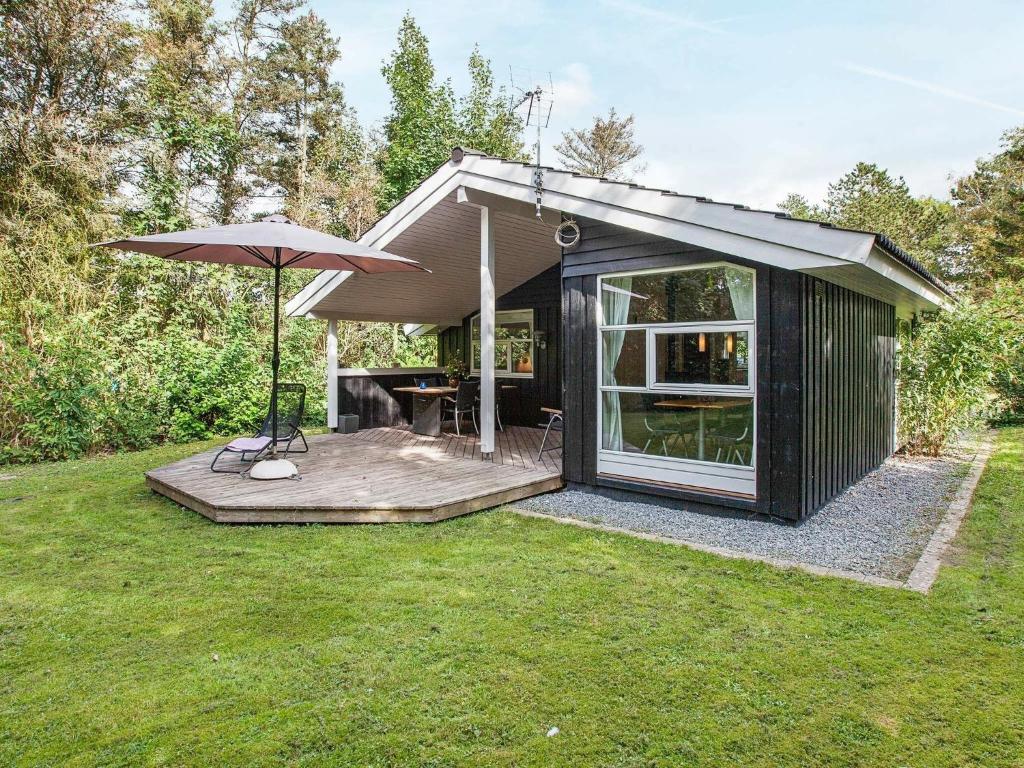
(677, 377)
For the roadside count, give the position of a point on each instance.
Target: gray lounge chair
(291, 405)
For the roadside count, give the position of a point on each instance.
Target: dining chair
(464, 402)
(499, 397)
(556, 422)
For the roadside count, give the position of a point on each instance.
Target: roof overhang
(436, 225)
(444, 233)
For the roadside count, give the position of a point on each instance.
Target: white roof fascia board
(412, 330)
(505, 204)
(303, 302)
(881, 262)
(804, 236)
(408, 205)
(694, 234)
(756, 235)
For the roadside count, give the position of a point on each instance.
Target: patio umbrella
(278, 243)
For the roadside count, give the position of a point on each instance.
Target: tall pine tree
(314, 136)
(183, 132)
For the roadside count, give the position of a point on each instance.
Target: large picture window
(513, 343)
(677, 376)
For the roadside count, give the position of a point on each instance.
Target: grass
(133, 632)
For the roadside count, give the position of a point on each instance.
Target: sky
(742, 102)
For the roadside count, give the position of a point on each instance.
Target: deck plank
(386, 474)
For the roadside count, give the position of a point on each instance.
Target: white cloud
(939, 90)
(574, 91)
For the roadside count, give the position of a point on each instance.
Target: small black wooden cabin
(701, 353)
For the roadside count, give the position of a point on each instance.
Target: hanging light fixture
(702, 342)
(730, 342)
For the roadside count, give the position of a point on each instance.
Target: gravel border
(873, 532)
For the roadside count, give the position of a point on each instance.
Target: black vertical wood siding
(825, 396)
(781, 396)
(372, 398)
(848, 378)
(579, 367)
(543, 295)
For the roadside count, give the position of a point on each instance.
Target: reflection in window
(513, 343)
(685, 337)
(685, 296)
(718, 429)
(701, 357)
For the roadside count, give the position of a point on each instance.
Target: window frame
(508, 372)
(709, 475)
(734, 326)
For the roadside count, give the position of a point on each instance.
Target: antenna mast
(537, 103)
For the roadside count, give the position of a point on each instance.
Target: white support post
(486, 331)
(332, 374)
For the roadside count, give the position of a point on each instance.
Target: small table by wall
(426, 408)
(701, 405)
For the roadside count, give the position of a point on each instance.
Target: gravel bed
(879, 526)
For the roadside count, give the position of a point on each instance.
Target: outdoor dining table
(426, 407)
(701, 405)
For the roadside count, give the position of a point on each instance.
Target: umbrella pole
(274, 468)
(276, 359)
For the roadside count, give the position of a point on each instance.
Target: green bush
(946, 367)
(1007, 308)
(54, 396)
(107, 383)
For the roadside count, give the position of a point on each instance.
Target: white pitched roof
(429, 225)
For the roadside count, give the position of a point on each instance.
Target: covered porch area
(380, 475)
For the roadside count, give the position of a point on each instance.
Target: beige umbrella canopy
(275, 241)
(278, 243)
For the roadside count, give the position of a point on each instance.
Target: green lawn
(133, 632)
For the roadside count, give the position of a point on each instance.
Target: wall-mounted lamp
(541, 338)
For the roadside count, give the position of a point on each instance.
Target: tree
(427, 122)
(66, 79)
(242, 72)
(607, 149)
(799, 207)
(868, 198)
(65, 83)
(989, 216)
(360, 195)
(485, 122)
(183, 131)
(315, 138)
(421, 129)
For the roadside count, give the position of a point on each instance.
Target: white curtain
(741, 291)
(615, 298)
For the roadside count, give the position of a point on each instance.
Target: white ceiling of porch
(446, 240)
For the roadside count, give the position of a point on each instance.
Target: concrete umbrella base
(273, 469)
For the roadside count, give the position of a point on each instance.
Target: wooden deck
(382, 475)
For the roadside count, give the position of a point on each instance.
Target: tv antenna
(534, 105)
